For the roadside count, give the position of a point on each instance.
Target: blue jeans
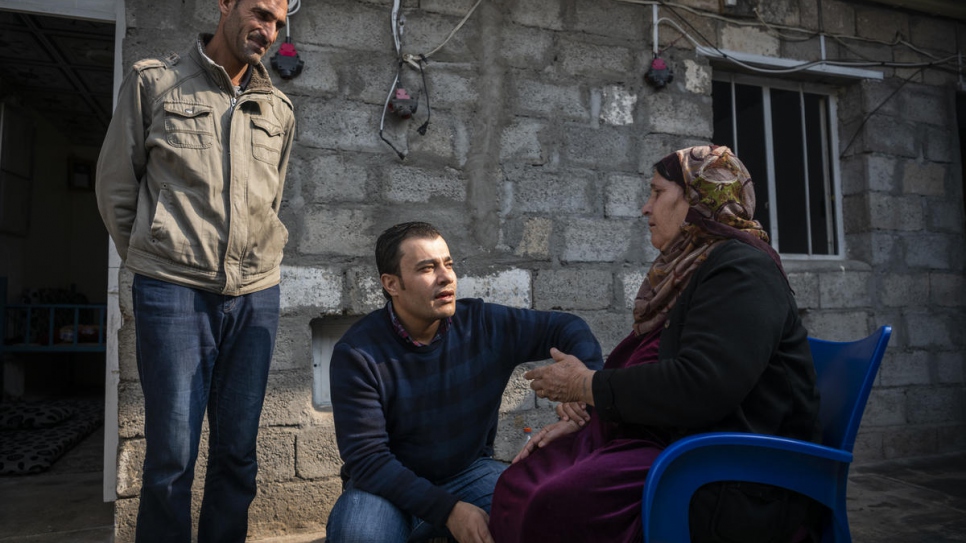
(361, 517)
(199, 351)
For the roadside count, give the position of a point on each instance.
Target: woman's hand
(566, 380)
(573, 411)
(546, 435)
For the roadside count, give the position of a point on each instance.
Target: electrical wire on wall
(399, 101)
(286, 60)
(938, 63)
(943, 63)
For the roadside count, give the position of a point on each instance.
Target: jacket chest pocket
(267, 139)
(188, 126)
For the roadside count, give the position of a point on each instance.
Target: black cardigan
(734, 357)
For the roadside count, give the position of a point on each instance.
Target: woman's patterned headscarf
(721, 197)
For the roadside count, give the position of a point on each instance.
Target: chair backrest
(846, 371)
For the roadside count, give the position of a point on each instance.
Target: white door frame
(111, 11)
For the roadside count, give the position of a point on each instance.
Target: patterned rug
(33, 435)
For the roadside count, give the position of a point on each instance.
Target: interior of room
(56, 82)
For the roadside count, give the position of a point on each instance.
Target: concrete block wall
(534, 166)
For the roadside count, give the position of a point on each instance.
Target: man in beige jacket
(190, 182)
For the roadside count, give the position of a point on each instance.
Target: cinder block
(631, 282)
(319, 74)
(951, 368)
(569, 289)
(845, 290)
(937, 404)
(610, 145)
(896, 212)
(520, 141)
(947, 289)
(127, 353)
(595, 240)
(938, 144)
(837, 326)
(509, 287)
(546, 14)
(364, 290)
(654, 147)
(617, 105)
(881, 24)
(927, 179)
(317, 453)
(609, 327)
(750, 40)
(944, 216)
(337, 230)
(805, 286)
(677, 114)
(856, 209)
(546, 99)
(886, 407)
(331, 177)
(448, 7)
(354, 128)
(445, 141)
(697, 77)
(596, 61)
(933, 33)
(276, 455)
(125, 519)
(408, 184)
(304, 287)
(951, 437)
(925, 104)
(901, 290)
(518, 398)
(535, 190)
(882, 173)
(624, 196)
(615, 21)
(882, 134)
(292, 507)
(535, 241)
(293, 344)
(906, 442)
(130, 467)
(451, 86)
(904, 368)
(838, 17)
(288, 401)
(868, 446)
(929, 330)
(130, 410)
(931, 251)
(527, 47)
(356, 26)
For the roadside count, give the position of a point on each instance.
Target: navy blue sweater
(408, 418)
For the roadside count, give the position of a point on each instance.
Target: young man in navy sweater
(416, 390)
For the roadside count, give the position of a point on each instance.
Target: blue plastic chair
(846, 372)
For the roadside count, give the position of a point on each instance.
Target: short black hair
(387, 246)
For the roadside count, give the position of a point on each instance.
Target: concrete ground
(916, 500)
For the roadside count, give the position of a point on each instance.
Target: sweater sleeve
(363, 440)
(729, 330)
(529, 335)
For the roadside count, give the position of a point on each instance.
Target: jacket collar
(260, 80)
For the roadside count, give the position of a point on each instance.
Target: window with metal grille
(785, 135)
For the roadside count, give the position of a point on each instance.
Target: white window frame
(829, 123)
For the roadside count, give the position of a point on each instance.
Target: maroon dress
(584, 486)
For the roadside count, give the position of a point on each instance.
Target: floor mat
(31, 442)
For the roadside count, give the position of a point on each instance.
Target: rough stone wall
(541, 137)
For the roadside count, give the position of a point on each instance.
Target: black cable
(385, 108)
(429, 112)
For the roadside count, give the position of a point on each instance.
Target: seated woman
(717, 345)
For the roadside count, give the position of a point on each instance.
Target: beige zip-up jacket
(190, 176)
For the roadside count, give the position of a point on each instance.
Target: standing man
(416, 391)
(190, 182)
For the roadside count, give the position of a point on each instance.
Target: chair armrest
(814, 470)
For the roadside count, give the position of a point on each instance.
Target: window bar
(734, 116)
(836, 184)
(770, 167)
(827, 178)
(808, 198)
